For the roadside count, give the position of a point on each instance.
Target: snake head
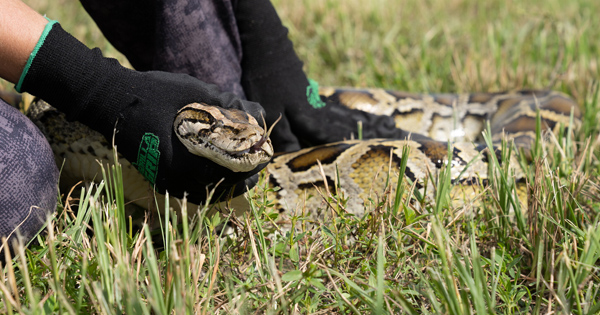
(229, 137)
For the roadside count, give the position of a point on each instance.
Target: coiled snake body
(359, 167)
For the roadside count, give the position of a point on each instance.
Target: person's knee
(28, 176)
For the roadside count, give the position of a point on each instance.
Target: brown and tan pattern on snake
(359, 167)
(461, 116)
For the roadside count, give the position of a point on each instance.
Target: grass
(493, 257)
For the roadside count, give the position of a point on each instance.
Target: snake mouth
(237, 161)
(256, 148)
(245, 160)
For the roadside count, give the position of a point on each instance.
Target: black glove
(272, 75)
(102, 94)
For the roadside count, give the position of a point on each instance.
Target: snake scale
(361, 168)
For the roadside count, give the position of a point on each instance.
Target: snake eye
(218, 124)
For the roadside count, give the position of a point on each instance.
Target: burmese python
(359, 167)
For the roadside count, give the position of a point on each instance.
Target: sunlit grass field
(443, 258)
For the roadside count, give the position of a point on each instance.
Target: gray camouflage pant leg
(28, 176)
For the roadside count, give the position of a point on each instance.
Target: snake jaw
(259, 145)
(230, 138)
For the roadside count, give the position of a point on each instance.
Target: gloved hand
(272, 75)
(102, 94)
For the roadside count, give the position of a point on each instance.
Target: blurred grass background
(423, 46)
(448, 46)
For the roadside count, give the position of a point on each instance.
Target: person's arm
(20, 30)
(137, 108)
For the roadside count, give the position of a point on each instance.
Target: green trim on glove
(312, 94)
(39, 44)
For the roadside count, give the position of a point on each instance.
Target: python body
(359, 167)
(362, 167)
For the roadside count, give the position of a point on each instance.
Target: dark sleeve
(272, 75)
(271, 71)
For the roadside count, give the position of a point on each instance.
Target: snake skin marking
(368, 167)
(360, 169)
(231, 138)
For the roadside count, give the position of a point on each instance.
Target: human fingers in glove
(272, 75)
(102, 94)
